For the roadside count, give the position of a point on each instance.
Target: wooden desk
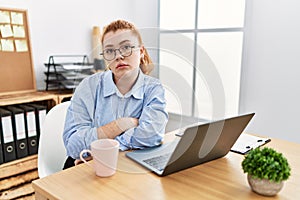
(219, 179)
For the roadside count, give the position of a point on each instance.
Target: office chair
(52, 153)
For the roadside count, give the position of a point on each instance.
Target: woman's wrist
(116, 127)
(126, 123)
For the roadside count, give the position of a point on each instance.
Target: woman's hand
(78, 161)
(126, 123)
(116, 127)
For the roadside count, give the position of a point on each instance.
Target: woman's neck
(126, 82)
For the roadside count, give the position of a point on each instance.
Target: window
(200, 52)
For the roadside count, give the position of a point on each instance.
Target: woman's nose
(119, 55)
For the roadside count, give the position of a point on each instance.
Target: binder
(1, 153)
(30, 128)
(18, 125)
(40, 115)
(7, 137)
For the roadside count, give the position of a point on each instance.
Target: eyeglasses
(110, 54)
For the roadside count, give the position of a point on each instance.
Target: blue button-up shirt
(97, 101)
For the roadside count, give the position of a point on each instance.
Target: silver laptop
(197, 144)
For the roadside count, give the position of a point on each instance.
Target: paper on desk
(73, 75)
(247, 142)
(77, 67)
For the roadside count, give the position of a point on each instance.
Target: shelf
(26, 98)
(18, 166)
(67, 71)
(73, 75)
(16, 176)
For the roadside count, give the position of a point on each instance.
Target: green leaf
(266, 163)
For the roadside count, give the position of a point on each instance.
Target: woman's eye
(126, 47)
(109, 51)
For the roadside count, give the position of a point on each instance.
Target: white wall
(65, 27)
(270, 83)
(271, 64)
(146, 18)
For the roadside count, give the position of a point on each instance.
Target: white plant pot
(264, 186)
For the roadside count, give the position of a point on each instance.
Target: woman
(122, 103)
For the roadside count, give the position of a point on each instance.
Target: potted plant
(267, 169)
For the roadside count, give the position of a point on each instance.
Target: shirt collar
(108, 84)
(137, 90)
(110, 88)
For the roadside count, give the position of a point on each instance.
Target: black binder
(1, 153)
(6, 135)
(30, 128)
(19, 131)
(1, 139)
(40, 114)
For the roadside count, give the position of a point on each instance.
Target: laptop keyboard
(158, 162)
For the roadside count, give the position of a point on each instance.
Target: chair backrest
(52, 153)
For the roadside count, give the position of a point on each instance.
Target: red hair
(146, 63)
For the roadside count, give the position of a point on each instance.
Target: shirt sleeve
(152, 122)
(79, 129)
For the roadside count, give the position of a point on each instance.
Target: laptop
(196, 145)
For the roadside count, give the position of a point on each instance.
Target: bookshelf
(16, 176)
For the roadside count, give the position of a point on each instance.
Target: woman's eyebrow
(124, 41)
(111, 45)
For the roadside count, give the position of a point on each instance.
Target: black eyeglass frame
(115, 52)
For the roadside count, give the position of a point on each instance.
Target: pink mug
(105, 154)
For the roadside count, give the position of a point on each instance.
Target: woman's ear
(142, 51)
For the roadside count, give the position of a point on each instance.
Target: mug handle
(82, 158)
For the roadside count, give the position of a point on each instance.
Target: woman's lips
(121, 65)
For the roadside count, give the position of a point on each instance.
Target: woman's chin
(126, 74)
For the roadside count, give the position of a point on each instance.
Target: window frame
(195, 31)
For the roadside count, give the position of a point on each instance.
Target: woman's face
(126, 42)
